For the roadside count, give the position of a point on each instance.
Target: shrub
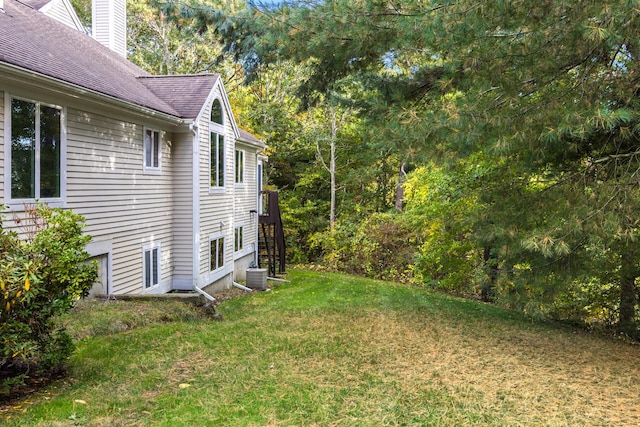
(43, 272)
(382, 247)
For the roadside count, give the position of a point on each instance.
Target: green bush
(43, 272)
(381, 247)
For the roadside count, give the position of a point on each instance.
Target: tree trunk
(332, 168)
(628, 295)
(400, 188)
(487, 292)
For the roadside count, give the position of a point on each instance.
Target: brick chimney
(109, 24)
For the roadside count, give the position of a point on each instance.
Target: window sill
(217, 190)
(18, 205)
(150, 171)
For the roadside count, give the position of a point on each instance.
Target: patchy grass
(95, 318)
(330, 349)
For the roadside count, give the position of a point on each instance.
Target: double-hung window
(36, 152)
(216, 253)
(152, 150)
(217, 146)
(239, 166)
(151, 266)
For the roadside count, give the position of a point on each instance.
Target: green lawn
(334, 350)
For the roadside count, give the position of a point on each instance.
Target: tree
(549, 91)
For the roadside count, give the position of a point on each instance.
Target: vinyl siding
(109, 24)
(1, 145)
(126, 209)
(57, 9)
(245, 197)
(106, 184)
(216, 207)
(182, 152)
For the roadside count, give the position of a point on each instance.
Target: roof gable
(62, 10)
(218, 88)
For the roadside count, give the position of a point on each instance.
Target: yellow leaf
(27, 284)
(184, 385)
(8, 306)
(2, 285)
(80, 401)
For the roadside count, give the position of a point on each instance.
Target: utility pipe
(203, 293)
(244, 288)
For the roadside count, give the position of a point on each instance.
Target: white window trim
(151, 170)
(215, 237)
(147, 248)
(18, 204)
(243, 177)
(235, 229)
(219, 128)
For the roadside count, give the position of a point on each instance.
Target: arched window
(217, 152)
(216, 112)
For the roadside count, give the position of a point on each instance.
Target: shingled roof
(35, 42)
(185, 93)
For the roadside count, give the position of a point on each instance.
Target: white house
(166, 180)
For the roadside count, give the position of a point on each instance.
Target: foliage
(381, 246)
(41, 277)
(440, 205)
(547, 93)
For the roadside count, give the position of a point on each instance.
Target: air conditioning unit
(257, 278)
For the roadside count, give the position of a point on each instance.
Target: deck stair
(271, 243)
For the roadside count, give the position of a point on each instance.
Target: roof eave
(63, 87)
(256, 144)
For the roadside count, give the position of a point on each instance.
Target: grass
(334, 350)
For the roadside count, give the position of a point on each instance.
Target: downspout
(244, 288)
(196, 213)
(258, 212)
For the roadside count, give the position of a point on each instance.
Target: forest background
(488, 149)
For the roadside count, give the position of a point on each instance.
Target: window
(36, 150)
(152, 149)
(216, 253)
(239, 166)
(217, 160)
(151, 266)
(238, 244)
(217, 145)
(216, 112)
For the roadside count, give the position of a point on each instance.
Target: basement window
(151, 265)
(216, 253)
(238, 244)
